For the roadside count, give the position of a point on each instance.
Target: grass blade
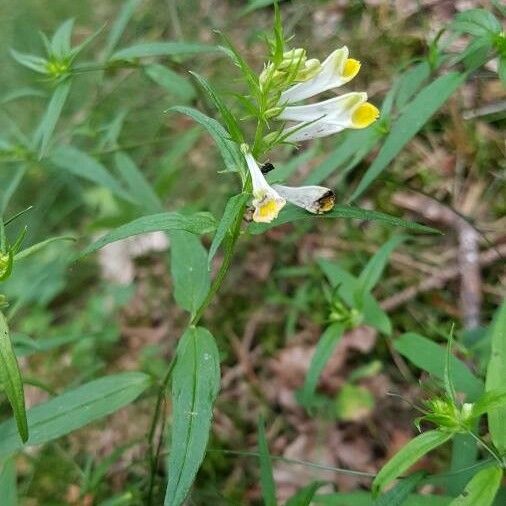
(415, 115)
(266, 477)
(496, 374)
(326, 346)
(48, 122)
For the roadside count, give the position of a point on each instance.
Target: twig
(439, 279)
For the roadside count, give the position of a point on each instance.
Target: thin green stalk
(225, 266)
(492, 452)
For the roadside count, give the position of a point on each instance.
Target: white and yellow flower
(329, 117)
(315, 199)
(266, 201)
(335, 71)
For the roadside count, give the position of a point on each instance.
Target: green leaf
(407, 456)
(231, 123)
(198, 223)
(489, 401)
(476, 22)
(119, 25)
(60, 43)
(8, 482)
(229, 150)
(502, 69)
(372, 313)
(21, 93)
(304, 496)
(292, 213)
(74, 409)
(410, 82)
(138, 186)
(355, 146)
(46, 127)
(366, 499)
(398, 494)
(324, 349)
(11, 380)
(35, 248)
(189, 269)
(372, 272)
(482, 488)
(195, 385)
(163, 49)
(176, 85)
(410, 122)
(82, 165)
(496, 374)
(266, 477)
(234, 206)
(35, 63)
(430, 357)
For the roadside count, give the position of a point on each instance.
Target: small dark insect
(326, 202)
(267, 167)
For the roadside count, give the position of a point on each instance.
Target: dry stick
(439, 279)
(467, 258)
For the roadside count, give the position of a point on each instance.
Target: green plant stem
(492, 452)
(224, 267)
(154, 450)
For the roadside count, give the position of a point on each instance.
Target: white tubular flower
(335, 71)
(315, 199)
(329, 117)
(266, 201)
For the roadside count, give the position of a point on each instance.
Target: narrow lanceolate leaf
(119, 25)
(266, 476)
(33, 62)
(429, 356)
(372, 272)
(48, 122)
(228, 117)
(195, 385)
(292, 213)
(482, 488)
(326, 346)
(415, 115)
(189, 269)
(304, 496)
(138, 186)
(74, 409)
(398, 494)
(177, 85)
(163, 49)
(11, 379)
(228, 149)
(234, 206)
(198, 223)
(32, 250)
(407, 456)
(82, 165)
(496, 377)
(60, 43)
(8, 483)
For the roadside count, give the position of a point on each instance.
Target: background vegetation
(115, 155)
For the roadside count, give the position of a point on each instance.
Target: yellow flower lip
(267, 209)
(364, 115)
(351, 68)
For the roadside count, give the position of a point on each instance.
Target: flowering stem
(224, 267)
